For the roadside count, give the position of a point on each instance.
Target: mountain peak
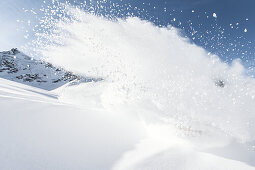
(16, 66)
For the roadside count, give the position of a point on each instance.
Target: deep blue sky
(224, 35)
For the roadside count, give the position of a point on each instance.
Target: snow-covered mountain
(16, 66)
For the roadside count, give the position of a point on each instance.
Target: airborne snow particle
(245, 30)
(214, 15)
(192, 11)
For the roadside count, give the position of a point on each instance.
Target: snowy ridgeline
(18, 67)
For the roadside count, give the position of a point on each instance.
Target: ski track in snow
(9, 89)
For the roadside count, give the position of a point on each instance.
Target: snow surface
(38, 131)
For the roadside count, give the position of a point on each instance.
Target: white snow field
(162, 103)
(38, 131)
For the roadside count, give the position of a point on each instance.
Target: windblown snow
(156, 101)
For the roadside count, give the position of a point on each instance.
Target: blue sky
(230, 34)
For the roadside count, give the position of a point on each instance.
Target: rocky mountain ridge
(16, 66)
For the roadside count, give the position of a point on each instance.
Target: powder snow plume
(153, 72)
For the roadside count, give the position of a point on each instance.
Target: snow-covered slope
(38, 131)
(16, 66)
